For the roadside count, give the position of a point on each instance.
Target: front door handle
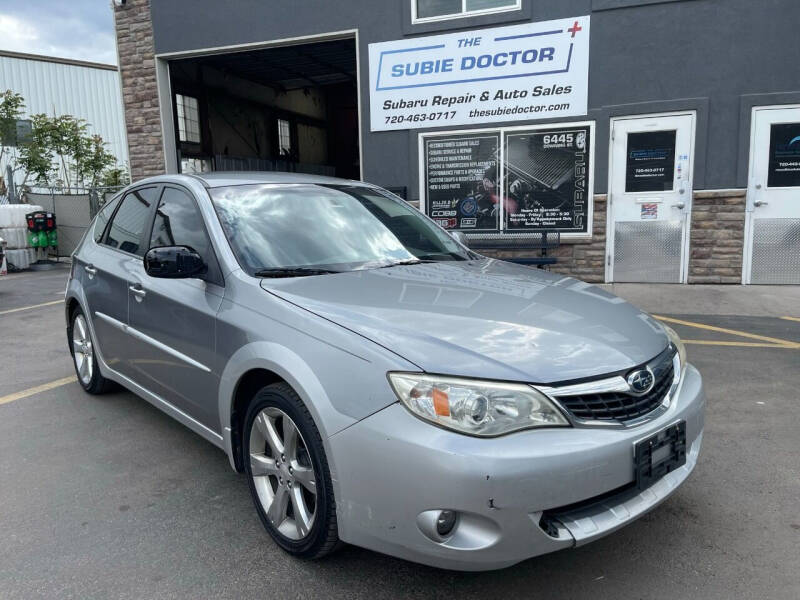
(680, 205)
(759, 203)
(138, 292)
(90, 270)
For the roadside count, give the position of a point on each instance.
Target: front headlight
(481, 408)
(676, 341)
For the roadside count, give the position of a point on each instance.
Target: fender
(296, 372)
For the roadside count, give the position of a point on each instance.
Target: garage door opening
(288, 108)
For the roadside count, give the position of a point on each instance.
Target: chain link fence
(74, 209)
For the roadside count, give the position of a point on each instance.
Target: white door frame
(747, 250)
(685, 246)
(164, 91)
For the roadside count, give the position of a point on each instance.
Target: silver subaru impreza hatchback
(378, 382)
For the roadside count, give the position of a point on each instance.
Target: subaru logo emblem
(641, 381)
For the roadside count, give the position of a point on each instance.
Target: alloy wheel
(283, 474)
(83, 352)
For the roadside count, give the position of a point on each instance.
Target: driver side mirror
(174, 262)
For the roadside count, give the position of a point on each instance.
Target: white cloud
(81, 37)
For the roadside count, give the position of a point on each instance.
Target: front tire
(82, 349)
(288, 473)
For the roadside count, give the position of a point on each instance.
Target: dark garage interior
(289, 108)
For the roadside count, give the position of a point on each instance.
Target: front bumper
(391, 468)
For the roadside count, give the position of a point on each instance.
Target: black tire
(96, 384)
(322, 537)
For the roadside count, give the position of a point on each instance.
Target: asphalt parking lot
(106, 497)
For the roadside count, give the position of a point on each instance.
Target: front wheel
(288, 473)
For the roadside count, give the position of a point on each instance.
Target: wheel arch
(259, 364)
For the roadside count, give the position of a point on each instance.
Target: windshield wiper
(409, 261)
(276, 272)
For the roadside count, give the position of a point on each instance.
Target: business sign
(522, 72)
(650, 166)
(461, 181)
(547, 180)
(784, 155)
(542, 184)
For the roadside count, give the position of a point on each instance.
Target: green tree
(61, 151)
(115, 177)
(95, 159)
(11, 107)
(36, 157)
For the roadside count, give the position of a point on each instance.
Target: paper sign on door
(649, 211)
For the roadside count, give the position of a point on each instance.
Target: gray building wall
(720, 57)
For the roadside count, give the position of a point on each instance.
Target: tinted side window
(102, 219)
(130, 221)
(178, 222)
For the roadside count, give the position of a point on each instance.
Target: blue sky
(80, 29)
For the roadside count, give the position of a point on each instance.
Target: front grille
(619, 406)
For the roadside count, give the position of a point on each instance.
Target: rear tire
(82, 349)
(288, 473)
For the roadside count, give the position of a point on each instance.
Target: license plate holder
(659, 454)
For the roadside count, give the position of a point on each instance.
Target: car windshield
(311, 229)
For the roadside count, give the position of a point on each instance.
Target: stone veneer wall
(717, 236)
(715, 245)
(139, 90)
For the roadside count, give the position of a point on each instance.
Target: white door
(650, 198)
(772, 225)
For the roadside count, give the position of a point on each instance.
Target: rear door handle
(90, 270)
(138, 292)
(758, 203)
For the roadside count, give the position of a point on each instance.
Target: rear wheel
(83, 355)
(288, 473)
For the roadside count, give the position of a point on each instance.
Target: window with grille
(284, 137)
(188, 118)
(432, 10)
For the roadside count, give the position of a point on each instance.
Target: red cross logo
(575, 29)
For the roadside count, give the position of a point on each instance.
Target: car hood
(483, 318)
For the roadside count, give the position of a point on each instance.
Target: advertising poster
(461, 181)
(784, 155)
(546, 180)
(650, 165)
(521, 72)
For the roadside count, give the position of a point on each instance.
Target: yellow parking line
(763, 338)
(740, 344)
(790, 318)
(36, 389)
(13, 310)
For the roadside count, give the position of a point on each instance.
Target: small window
(178, 222)
(102, 219)
(188, 119)
(432, 10)
(285, 145)
(128, 225)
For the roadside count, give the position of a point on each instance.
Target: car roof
(226, 178)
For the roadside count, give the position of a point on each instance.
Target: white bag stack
(15, 237)
(14, 230)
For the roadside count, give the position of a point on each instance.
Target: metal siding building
(55, 86)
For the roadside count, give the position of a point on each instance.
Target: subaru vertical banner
(522, 72)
